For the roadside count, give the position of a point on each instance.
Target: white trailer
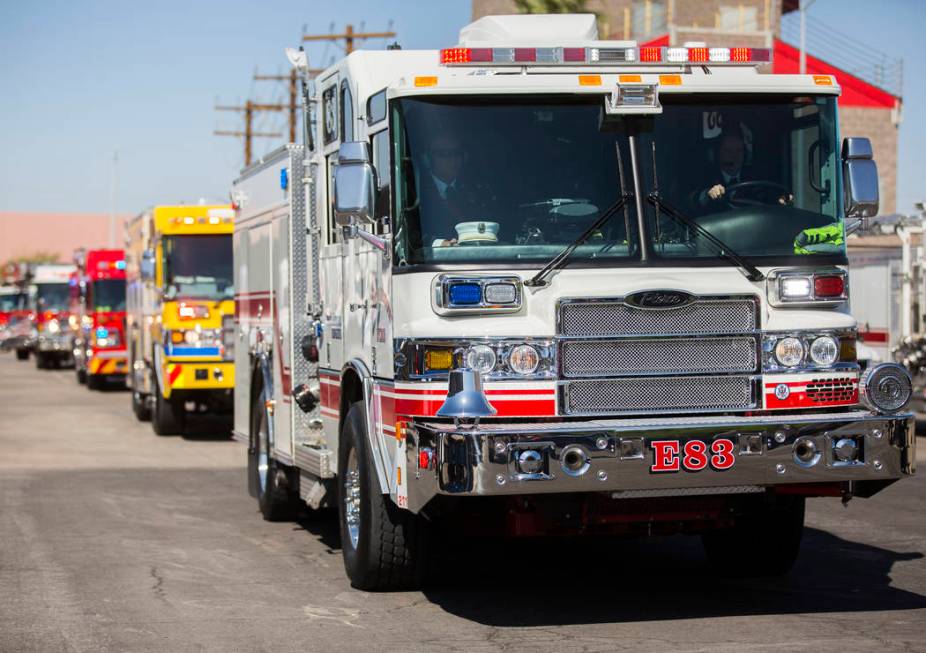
(542, 283)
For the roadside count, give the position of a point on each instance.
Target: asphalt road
(112, 538)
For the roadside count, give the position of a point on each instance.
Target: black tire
(164, 420)
(41, 361)
(388, 548)
(95, 381)
(777, 526)
(269, 481)
(22, 354)
(140, 406)
(81, 375)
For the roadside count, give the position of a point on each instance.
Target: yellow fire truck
(180, 313)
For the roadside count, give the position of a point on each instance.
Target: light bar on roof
(602, 56)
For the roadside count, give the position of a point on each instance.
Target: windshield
(516, 179)
(108, 295)
(759, 174)
(198, 267)
(506, 179)
(12, 302)
(52, 296)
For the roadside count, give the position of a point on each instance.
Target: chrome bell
(465, 398)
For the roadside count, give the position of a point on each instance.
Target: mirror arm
(382, 244)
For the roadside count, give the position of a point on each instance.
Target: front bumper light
(494, 359)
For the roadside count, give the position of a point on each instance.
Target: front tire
(164, 420)
(140, 406)
(41, 361)
(81, 375)
(22, 354)
(384, 547)
(95, 381)
(778, 526)
(268, 476)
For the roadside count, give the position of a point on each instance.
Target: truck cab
(98, 307)
(179, 313)
(556, 284)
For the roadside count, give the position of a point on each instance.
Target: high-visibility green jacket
(820, 240)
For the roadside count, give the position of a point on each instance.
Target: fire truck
(13, 307)
(540, 283)
(98, 310)
(47, 332)
(179, 313)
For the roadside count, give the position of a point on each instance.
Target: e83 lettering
(692, 455)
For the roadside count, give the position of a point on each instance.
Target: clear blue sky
(82, 78)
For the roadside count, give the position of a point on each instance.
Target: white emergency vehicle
(540, 283)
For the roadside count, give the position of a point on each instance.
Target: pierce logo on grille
(656, 299)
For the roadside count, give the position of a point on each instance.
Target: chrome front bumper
(443, 459)
(55, 343)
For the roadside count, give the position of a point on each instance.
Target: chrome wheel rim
(352, 498)
(263, 460)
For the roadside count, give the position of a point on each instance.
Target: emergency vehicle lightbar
(603, 56)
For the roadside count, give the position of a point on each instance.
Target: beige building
(25, 234)
(870, 103)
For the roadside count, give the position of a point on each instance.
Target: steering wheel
(750, 187)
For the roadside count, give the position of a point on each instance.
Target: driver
(445, 200)
(729, 171)
(731, 154)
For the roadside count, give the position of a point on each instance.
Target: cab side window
(383, 169)
(347, 113)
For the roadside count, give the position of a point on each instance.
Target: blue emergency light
(102, 332)
(465, 293)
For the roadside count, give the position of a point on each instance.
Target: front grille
(615, 358)
(658, 394)
(831, 390)
(614, 318)
(584, 358)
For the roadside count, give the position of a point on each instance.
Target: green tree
(551, 6)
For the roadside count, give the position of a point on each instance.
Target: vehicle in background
(12, 309)
(50, 334)
(98, 317)
(540, 283)
(179, 313)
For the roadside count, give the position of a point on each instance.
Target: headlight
(480, 358)
(191, 337)
(524, 359)
(53, 326)
(824, 351)
(789, 352)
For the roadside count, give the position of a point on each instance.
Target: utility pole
(348, 36)
(249, 134)
(293, 79)
(804, 6)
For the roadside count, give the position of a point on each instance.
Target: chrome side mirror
(147, 265)
(860, 176)
(353, 186)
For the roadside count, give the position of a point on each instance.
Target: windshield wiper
(558, 261)
(724, 251)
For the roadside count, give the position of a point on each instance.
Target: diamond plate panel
(303, 370)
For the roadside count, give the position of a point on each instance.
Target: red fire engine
(98, 305)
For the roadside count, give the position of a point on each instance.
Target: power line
(249, 109)
(349, 36)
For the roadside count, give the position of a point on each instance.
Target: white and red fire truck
(559, 285)
(46, 333)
